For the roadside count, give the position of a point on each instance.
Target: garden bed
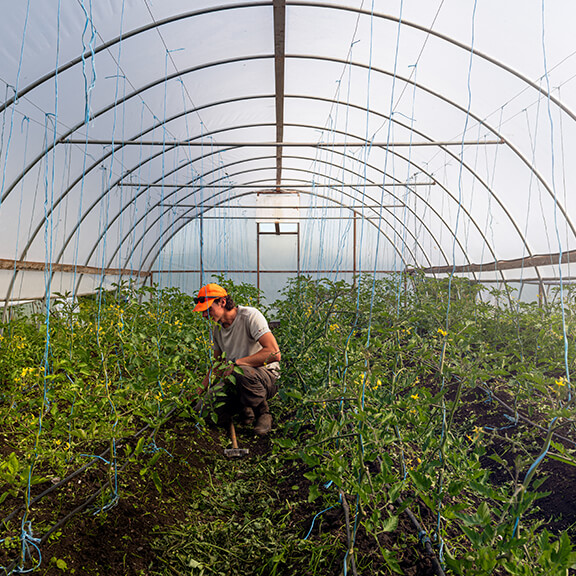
(410, 438)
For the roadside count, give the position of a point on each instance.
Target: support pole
(354, 251)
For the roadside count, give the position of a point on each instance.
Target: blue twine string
(553, 180)
(317, 515)
(88, 86)
(423, 537)
(535, 464)
(27, 120)
(152, 448)
(28, 540)
(13, 111)
(107, 462)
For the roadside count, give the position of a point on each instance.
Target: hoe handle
(233, 436)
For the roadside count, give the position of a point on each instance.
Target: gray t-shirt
(240, 339)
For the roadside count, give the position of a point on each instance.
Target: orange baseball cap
(206, 295)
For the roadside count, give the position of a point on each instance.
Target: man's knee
(255, 385)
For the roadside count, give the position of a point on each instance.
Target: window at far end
(278, 227)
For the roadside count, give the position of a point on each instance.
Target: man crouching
(242, 334)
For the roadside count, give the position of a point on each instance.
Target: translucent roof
(432, 134)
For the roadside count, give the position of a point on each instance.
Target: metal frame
(95, 164)
(279, 6)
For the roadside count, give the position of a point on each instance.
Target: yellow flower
(442, 332)
(415, 396)
(561, 382)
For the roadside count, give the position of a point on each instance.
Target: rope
(13, 111)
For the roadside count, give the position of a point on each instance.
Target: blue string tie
(29, 540)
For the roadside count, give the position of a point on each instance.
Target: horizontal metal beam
(293, 271)
(304, 207)
(282, 190)
(210, 143)
(284, 220)
(548, 281)
(276, 233)
(6, 264)
(515, 264)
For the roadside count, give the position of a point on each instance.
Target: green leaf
(157, 482)
(390, 560)
(61, 564)
(483, 513)
(13, 464)
(390, 524)
(420, 481)
(562, 459)
(313, 493)
(284, 442)
(155, 458)
(394, 491)
(563, 553)
(293, 394)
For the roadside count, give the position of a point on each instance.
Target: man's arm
(270, 353)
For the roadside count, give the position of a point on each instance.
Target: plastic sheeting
(417, 134)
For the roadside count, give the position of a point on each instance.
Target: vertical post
(354, 258)
(298, 248)
(405, 274)
(201, 249)
(540, 294)
(258, 255)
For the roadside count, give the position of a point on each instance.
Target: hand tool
(234, 452)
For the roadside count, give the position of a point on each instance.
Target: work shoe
(247, 415)
(263, 424)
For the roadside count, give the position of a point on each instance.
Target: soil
(510, 437)
(119, 541)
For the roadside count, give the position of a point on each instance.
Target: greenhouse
(386, 184)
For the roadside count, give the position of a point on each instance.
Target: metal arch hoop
(299, 3)
(539, 177)
(98, 162)
(176, 230)
(429, 206)
(95, 164)
(237, 196)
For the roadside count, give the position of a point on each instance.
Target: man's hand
(223, 369)
(220, 370)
